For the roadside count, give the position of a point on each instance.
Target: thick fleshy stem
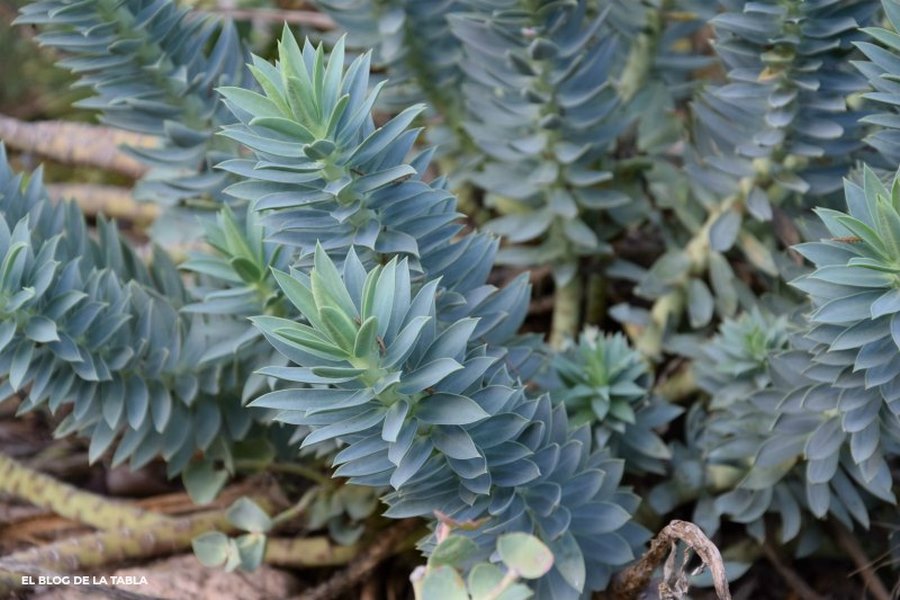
(70, 502)
(77, 144)
(112, 201)
(83, 553)
(566, 312)
(670, 305)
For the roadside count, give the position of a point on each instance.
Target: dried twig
(633, 580)
(43, 523)
(796, 583)
(383, 547)
(854, 550)
(77, 144)
(110, 200)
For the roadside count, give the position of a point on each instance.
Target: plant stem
(294, 511)
(308, 552)
(670, 305)
(385, 545)
(796, 583)
(112, 201)
(650, 340)
(854, 550)
(100, 549)
(641, 57)
(159, 536)
(68, 501)
(566, 312)
(130, 532)
(288, 468)
(595, 311)
(510, 578)
(77, 144)
(680, 386)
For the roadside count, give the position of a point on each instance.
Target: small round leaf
(211, 548)
(246, 515)
(526, 554)
(452, 551)
(443, 583)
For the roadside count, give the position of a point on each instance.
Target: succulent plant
(421, 408)
(734, 363)
(154, 69)
(605, 384)
(880, 69)
(341, 302)
(544, 117)
(826, 428)
(396, 343)
(86, 324)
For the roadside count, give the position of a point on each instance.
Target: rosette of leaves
(87, 326)
(153, 68)
(788, 470)
(541, 108)
(829, 423)
(523, 556)
(853, 331)
(236, 278)
(711, 471)
(324, 173)
(881, 71)
(421, 408)
(605, 384)
(734, 363)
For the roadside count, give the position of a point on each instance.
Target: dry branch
(633, 580)
(77, 144)
(274, 15)
(386, 544)
(854, 550)
(112, 201)
(796, 583)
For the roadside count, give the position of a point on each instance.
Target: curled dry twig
(633, 580)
